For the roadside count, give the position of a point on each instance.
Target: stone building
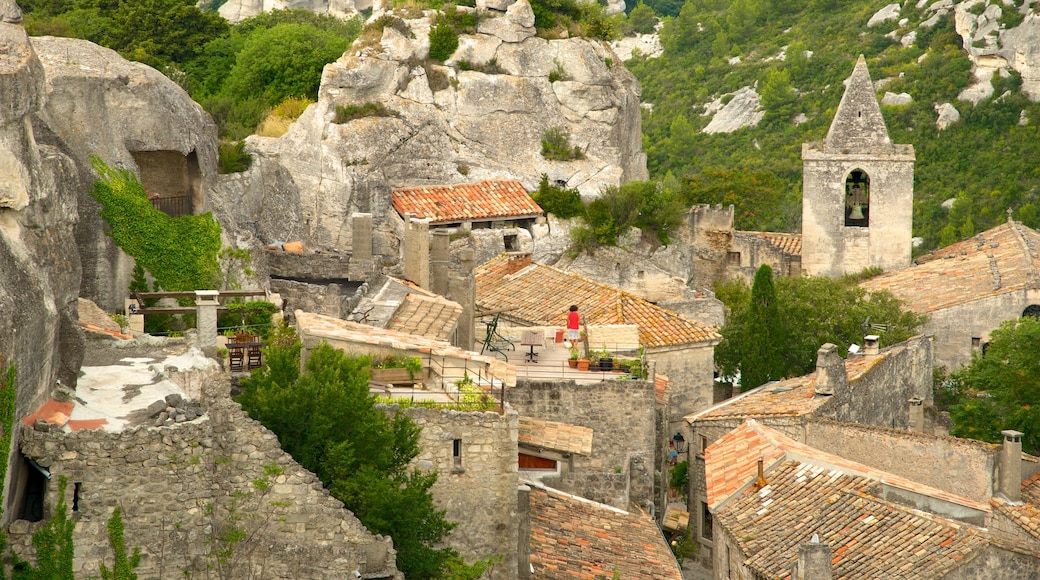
(857, 189)
(770, 495)
(532, 294)
(969, 288)
(884, 387)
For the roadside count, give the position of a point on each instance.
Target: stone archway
(857, 198)
(1032, 310)
(172, 180)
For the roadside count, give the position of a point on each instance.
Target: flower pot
(583, 364)
(606, 364)
(573, 362)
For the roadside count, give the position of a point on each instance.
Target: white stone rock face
(897, 99)
(239, 10)
(948, 115)
(743, 110)
(648, 45)
(890, 12)
(446, 119)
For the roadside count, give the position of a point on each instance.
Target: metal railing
(173, 206)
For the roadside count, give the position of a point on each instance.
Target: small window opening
(859, 113)
(976, 343)
(1032, 310)
(857, 199)
(706, 522)
(733, 258)
(704, 444)
(511, 242)
(75, 496)
(456, 452)
(35, 490)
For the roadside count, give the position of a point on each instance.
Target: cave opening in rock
(172, 180)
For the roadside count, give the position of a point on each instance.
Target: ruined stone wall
(753, 251)
(327, 265)
(959, 466)
(182, 487)
(997, 563)
(479, 489)
(335, 300)
(621, 414)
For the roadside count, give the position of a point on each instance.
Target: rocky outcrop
(947, 115)
(742, 110)
(239, 10)
(890, 12)
(39, 266)
(480, 116)
(994, 48)
(648, 45)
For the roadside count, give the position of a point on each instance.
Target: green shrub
(556, 145)
(443, 41)
(562, 202)
(347, 113)
(642, 19)
(233, 157)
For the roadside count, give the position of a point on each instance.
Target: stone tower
(857, 189)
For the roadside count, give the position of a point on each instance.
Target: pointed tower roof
(858, 124)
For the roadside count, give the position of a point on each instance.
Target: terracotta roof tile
(1027, 515)
(561, 437)
(430, 316)
(484, 200)
(788, 243)
(574, 538)
(997, 261)
(538, 295)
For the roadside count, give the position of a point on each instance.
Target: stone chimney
(518, 262)
(830, 369)
(361, 246)
(523, 551)
(416, 249)
(870, 345)
(439, 262)
(462, 289)
(814, 561)
(1010, 467)
(916, 414)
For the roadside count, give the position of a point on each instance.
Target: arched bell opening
(857, 199)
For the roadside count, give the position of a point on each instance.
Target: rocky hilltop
(480, 115)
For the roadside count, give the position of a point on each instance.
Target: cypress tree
(765, 335)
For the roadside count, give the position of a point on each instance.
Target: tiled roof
(788, 243)
(790, 397)
(869, 537)
(572, 537)
(430, 316)
(731, 463)
(485, 200)
(1027, 515)
(997, 261)
(538, 295)
(561, 437)
(326, 327)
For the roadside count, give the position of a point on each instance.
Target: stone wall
(181, 487)
(479, 489)
(955, 327)
(335, 300)
(621, 414)
(997, 562)
(960, 466)
(691, 370)
(312, 266)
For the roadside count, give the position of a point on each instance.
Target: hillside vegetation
(799, 52)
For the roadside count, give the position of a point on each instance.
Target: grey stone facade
(477, 481)
(857, 142)
(181, 487)
(622, 416)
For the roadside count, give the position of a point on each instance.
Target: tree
(812, 311)
(765, 338)
(1001, 388)
(327, 420)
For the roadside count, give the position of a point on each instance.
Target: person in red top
(573, 324)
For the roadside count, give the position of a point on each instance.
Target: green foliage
(326, 419)
(642, 204)
(556, 145)
(232, 157)
(444, 40)
(124, 566)
(562, 202)
(762, 355)
(232, 262)
(53, 542)
(813, 311)
(253, 316)
(642, 19)
(679, 476)
(180, 253)
(412, 363)
(347, 113)
(458, 569)
(683, 545)
(1001, 389)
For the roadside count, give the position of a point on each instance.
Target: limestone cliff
(39, 266)
(454, 123)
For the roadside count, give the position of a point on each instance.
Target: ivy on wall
(180, 253)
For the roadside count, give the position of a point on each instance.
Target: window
(857, 199)
(704, 444)
(706, 522)
(733, 258)
(976, 343)
(511, 242)
(456, 452)
(75, 497)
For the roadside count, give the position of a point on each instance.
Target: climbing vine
(123, 568)
(54, 549)
(180, 253)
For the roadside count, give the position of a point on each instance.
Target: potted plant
(583, 364)
(573, 360)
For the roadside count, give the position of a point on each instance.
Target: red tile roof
(788, 243)
(538, 295)
(1027, 515)
(572, 537)
(561, 437)
(997, 261)
(485, 200)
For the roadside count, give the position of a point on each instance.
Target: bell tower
(857, 189)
